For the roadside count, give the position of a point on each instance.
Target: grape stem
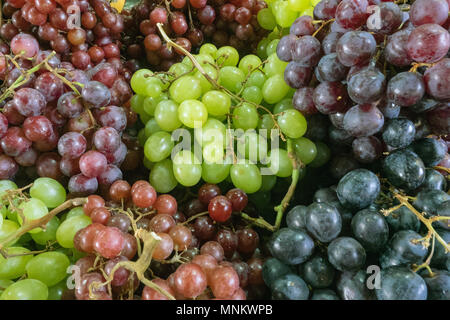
(41, 222)
(324, 23)
(212, 81)
(426, 264)
(139, 266)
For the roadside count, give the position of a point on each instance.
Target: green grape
(75, 255)
(256, 78)
(280, 163)
(252, 94)
(221, 118)
(48, 267)
(217, 103)
(137, 103)
(272, 47)
(283, 15)
(166, 115)
(266, 122)
(213, 152)
(50, 191)
(305, 150)
(249, 63)
(74, 212)
(162, 177)
(3, 212)
(213, 131)
(55, 292)
(185, 88)
(205, 83)
(274, 65)
(208, 48)
(231, 78)
(251, 146)
(308, 12)
(141, 137)
(292, 123)
(49, 234)
(261, 49)
(32, 209)
(178, 69)
(298, 5)
(7, 228)
(139, 81)
(153, 87)
(150, 104)
(275, 34)
(245, 117)
(227, 56)
(268, 182)
(192, 113)
(283, 105)
(314, 3)
(67, 229)
(205, 60)
(145, 117)
(14, 267)
(322, 156)
(246, 177)
(151, 127)
(147, 163)
(4, 284)
(4, 186)
(215, 172)
(158, 146)
(266, 19)
(186, 61)
(275, 89)
(28, 289)
(187, 168)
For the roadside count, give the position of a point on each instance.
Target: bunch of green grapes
(246, 94)
(282, 13)
(36, 267)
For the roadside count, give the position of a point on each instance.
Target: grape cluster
(191, 23)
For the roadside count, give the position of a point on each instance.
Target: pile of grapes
(231, 150)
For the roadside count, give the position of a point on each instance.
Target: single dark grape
(323, 221)
(358, 189)
(291, 246)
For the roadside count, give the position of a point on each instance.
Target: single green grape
(283, 15)
(151, 127)
(67, 229)
(48, 267)
(280, 163)
(249, 63)
(147, 163)
(137, 103)
(292, 123)
(268, 182)
(308, 12)
(192, 113)
(215, 172)
(4, 283)
(49, 234)
(245, 117)
(32, 209)
(14, 267)
(205, 84)
(75, 255)
(272, 47)
(7, 228)
(185, 88)
(74, 212)
(231, 78)
(55, 292)
(158, 146)
(261, 49)
(213, 152)
(186, 61)
(166, 115)
(227, 56)
(6, 185)
(150, 104)
(322, 156)
(217, 103)
(299, 5)
(178, 69)
(275, 89)
(213, 131)
(266, 19)
(145, 117)
(266, 122)
(28, 289)
(153, 87)
(274, 65)
(256, 78)
(162, 177)
(283, 105)
(208, 48)
(305, 150)
(50, 191)
(246, 177)
(251, 146)
(252, 94)
(139, 80)
(187, 168)
(205, 60)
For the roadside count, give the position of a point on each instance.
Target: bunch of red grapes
(195, 258)
(191, 23)
(67, 119)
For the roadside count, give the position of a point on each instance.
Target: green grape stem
(41, 222)
(212, 81)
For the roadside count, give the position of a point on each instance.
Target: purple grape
(330, 97)
(330, 41)
(406, 88)
(367, 149)
(96, 94)
(302, 26)
(367, 86)
(386, 19)
(395, 52)
(297, 76)
(81, 185)
(307, 51)
(69, 105)
(29, 102)
(303, 101)
(106, 139)
(114, 117)
(363, 120)
(72, 145)
(112, 173)
(356, 47)
(285, 47)
(330, 69)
